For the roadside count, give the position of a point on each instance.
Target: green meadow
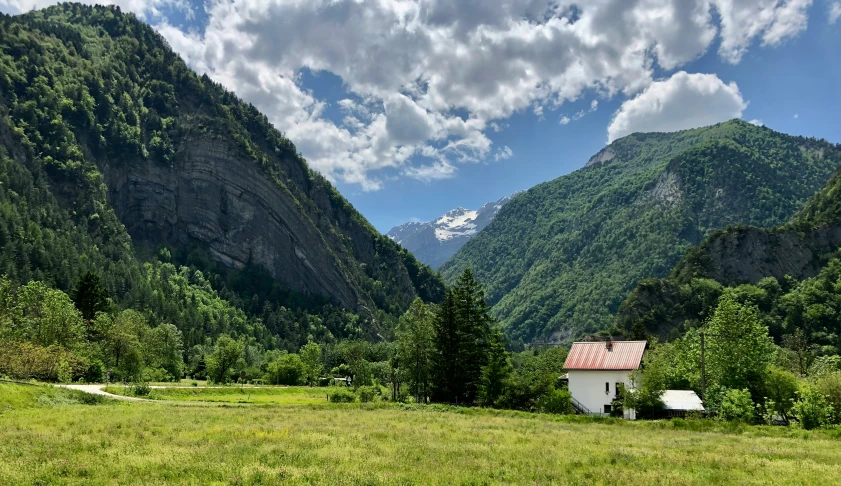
(52, 436)
(292, 395)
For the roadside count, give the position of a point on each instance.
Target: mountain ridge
(147, 158)
(559, 261)
(434, 242)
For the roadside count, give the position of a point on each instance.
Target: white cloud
(796, 116)
(834, 12)
(503, 153)
(431, 172)
(564, 120)
(427, 80)
(683, 101)
(757, 122)
(146, 9)
(773, 21)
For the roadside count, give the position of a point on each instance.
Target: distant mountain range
(434, 242)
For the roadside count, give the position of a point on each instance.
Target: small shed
(679, 402)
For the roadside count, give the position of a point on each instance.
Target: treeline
(743, 376)
(449, 353)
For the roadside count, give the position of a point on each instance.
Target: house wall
(588, 386)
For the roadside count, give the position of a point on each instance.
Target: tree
(311, 358)
(47, 316)
(739, 349)
(829, 385)
(124, 343)
(416, 347)
(496, 372)
(647, 398)
(164, 349)
(224, 356)
(736, 405)
(462, 330)
(803, 350)
(780, 390)
(91, 296)
(812, 409)
(288, 369)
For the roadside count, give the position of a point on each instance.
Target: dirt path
(98, 390)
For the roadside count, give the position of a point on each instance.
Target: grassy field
(297, 395)
(149, 442)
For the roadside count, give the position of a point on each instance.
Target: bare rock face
(751, 254)
(214, 198)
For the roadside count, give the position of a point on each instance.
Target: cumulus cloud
(683, 101)
(147, 9)
(834, 12)
(757, 122)
(428, 80)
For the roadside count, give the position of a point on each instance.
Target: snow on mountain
(434, 242)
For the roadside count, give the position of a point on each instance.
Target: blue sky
(414, 107)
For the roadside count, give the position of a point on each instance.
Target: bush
(736, 405)
(140, 389)
(342, 395)
(556, 401)
(65, 373)
(368, 393)
(156, 375)
(812, 409)
(829, 385)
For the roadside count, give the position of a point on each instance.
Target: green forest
(559, 259)
(88, 89)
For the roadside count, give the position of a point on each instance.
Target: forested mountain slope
(791, 273)
(112, 150)
(559, 259)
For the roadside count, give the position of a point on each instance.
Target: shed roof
(601, 355)
(682, 400)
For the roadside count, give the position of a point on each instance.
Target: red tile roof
(620, 355)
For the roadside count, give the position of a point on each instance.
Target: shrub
(342, 395)
(369, 393)
(829, 385)
(65, 373)
(736, 405)
(556, 401)
(812, 409)
(140, 389)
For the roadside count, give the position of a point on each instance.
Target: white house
(595, 370)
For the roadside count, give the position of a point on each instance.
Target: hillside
(790, 272)
(434, 242)
(559, 259)
(115, 153)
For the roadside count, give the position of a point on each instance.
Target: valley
(190, 292)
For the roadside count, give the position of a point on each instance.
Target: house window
(607, 409)
(607, 387)
(616, 390)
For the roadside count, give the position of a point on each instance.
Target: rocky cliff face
(214, 198)
(747, 255)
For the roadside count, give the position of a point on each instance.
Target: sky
(416, 107)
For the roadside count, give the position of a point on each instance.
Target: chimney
(609, 344)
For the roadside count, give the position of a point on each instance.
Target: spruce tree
(91, 296)
(462, 331)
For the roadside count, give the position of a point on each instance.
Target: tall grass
(393, 444)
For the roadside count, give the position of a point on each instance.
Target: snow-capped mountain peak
(436, 241)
